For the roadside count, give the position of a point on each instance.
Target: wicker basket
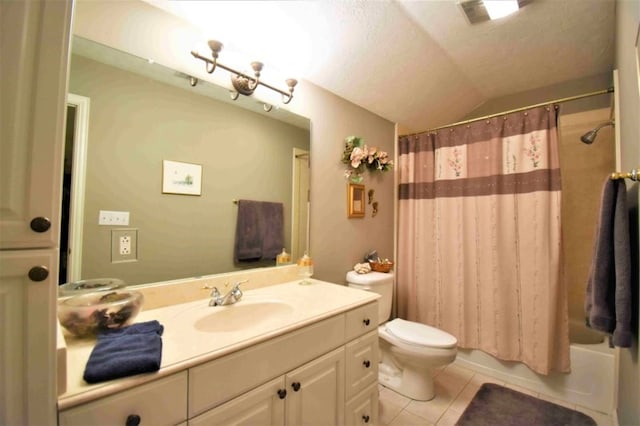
(381, 267)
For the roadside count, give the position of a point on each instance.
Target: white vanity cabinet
(311, 394)
(324, 372)
(314, 393)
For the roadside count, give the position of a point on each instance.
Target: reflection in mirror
(142, 114)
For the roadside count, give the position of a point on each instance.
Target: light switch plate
(124, 245)
(108, 217)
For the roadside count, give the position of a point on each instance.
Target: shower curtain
(479, 237)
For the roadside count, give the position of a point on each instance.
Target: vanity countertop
(185, 344)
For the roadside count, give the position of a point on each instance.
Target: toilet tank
(377, 282)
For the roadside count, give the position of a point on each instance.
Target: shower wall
(584, 169)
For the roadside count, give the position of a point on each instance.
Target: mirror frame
(356, 204)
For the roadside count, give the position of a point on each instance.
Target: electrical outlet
(124, 245)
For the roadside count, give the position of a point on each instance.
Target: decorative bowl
(91, 313)
(89, 286)
(381, 266)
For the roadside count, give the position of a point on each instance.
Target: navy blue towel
(124, 352)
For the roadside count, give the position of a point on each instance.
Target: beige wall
(135, 124)
(627, 24)
(549, 93)
(336, 242)
(584, 168)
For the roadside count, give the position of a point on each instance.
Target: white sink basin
(242, 315)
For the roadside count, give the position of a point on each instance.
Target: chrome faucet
(230, 298)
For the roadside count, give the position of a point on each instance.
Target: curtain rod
(556, 101)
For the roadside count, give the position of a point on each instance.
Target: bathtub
(592, 382)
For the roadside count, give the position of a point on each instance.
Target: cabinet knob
(366, 363)
(40, 224)
(38, 273)
(295, 386)
(366, 321)
(365, 418)
(133, 420)
(282, 393)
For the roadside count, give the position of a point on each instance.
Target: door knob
(133, 420)
(282, 393)
(38, 273)
(295, 386)
(40, 224)
(366, 363)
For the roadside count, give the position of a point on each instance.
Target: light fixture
(500, 8)
(243, 83)
(476, 11)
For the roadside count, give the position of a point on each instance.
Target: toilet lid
(414, 333)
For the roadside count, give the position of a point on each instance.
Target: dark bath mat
(495, 405)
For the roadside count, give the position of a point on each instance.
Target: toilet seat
(416, 334)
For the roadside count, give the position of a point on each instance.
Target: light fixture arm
(243, 83)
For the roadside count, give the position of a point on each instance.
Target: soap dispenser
(283, 258)
(305, 269)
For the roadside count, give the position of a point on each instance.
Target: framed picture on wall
(638, 56)
(181, 178)
(355, 200)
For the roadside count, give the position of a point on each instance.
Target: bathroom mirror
(141, 114)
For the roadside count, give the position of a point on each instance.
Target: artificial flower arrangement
(360, 157)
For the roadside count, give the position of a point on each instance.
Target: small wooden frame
(356, 200)
(181, 178)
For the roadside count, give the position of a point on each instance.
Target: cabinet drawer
(362, 320)
(162, 402)
(363, 408)
(362, 363)
(220, 380)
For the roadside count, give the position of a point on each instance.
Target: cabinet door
(28, 337)
(35, 48)
(363, 408)
(315, 392)
(261, 406)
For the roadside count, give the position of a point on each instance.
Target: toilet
(409, 351)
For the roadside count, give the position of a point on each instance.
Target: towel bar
(633, 175)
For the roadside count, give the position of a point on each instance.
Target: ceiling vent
(475, 12)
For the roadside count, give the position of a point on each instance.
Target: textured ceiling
(418, 63)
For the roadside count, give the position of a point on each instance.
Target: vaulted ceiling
(417, 63)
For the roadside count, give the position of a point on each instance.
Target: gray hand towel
(272, 230)
(248, 241)
(608, 300)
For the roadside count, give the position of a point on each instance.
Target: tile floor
(455, 388)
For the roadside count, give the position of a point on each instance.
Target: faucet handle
(237, 285)
(215, 292)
